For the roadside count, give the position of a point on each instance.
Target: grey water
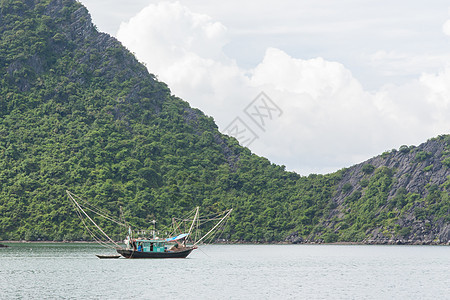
(72, 271)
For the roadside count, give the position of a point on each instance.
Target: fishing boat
(175, 246)
(156, 248)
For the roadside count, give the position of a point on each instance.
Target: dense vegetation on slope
(79, 112)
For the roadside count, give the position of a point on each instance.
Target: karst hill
(79, 112)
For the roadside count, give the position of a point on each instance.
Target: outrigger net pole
(228, 213)
(90, 219)
(192, 225)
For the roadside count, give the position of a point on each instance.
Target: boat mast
(229, 212)
(154, 229)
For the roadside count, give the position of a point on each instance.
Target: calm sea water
(72, 271)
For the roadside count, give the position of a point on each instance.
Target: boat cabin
(155, 245)
(142, 245)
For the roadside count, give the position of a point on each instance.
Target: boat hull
(107, 256)
(137, 254)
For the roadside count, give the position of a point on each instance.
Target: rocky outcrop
(294, 238)
(406, 191)
(423, 172)
(414, 168)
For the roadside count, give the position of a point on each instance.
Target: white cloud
(329, 121)
(446, 27)
(438, 97)
(395, 63)
(177, 28)
(184, 49)
(316, 77)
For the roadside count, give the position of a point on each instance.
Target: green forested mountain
(79, 112)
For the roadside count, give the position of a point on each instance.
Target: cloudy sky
(312, 85)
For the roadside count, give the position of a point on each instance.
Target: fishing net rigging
(192, 224)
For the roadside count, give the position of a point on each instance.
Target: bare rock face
(294, 238)
(444, 234)
(414, 168)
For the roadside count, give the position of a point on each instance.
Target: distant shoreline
(48, 242)
(371, 243)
